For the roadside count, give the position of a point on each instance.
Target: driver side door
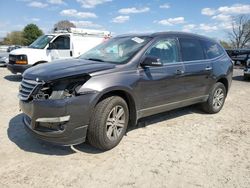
(60, 48)
(163, 85)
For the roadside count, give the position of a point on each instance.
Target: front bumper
(2, 64)
(14, 68)
(63, 121)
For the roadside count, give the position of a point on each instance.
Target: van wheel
(245, 77)
(108, 123)
(216, 99)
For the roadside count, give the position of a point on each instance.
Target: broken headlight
(60, 89)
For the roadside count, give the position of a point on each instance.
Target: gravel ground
(181, 148)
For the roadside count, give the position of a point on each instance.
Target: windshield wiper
(95, 59)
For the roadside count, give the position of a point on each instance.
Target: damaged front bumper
(60, 121)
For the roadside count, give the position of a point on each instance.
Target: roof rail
(85, 31)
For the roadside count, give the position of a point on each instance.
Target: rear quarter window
(212, 49)
(191, 49)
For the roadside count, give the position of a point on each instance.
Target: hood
(22, 51)
(64, 68)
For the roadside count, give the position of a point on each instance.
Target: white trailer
(59, 45)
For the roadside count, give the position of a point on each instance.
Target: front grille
(27, 87)
(12, 59)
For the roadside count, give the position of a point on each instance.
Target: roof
(167, 33)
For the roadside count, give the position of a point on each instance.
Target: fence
(3, 48)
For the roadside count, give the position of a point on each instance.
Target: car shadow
(14, 78)
(166, 116)
(18, 135)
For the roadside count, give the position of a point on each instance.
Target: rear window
(212, 49)
(191, 49)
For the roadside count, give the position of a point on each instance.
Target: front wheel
(245, 77)
(216, 99)
(108, 123)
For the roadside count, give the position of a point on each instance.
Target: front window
(41, 42)
(117, 50)
(61, 43)
(166, 50)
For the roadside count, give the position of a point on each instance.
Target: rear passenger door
(198, 69)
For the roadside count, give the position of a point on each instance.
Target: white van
(58, 45)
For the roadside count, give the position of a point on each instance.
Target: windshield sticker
(137, 40)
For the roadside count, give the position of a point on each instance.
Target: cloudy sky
(207, 17)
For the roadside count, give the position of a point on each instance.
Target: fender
(130, 97)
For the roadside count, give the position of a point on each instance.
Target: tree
(225, 44)
(30, 33)
(15, 37)
(240, 34)
(63, 25)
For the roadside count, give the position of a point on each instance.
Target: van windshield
(117, 50)
(41, 41)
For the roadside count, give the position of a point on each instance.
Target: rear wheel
(108, 123)
(216, 99)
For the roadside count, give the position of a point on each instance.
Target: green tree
(30, 33)
(14, 37)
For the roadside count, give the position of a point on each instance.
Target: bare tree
(225, 44)
(62, 25)
(240, 34)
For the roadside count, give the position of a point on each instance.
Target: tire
(216, 99)
(105, 130)
(245, 77)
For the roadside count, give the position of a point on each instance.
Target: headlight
(60, 89)
(3, 58)
(22, 60)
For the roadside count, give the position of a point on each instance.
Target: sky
(207, 17)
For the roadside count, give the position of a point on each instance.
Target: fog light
(54, 119)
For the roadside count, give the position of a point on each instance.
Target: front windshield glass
(117, 50)
(41, 41)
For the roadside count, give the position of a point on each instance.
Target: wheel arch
(224, 81)
(127, 96)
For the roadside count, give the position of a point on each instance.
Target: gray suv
(98, 95)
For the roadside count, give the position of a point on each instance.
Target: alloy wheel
(115, 123)
(218, 98)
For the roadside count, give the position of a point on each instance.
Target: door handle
(208, 68)
(179, 71)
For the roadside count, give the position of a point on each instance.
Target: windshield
(41, 41)
(117, 50)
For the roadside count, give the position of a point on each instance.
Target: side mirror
(151, 61)
(50, 47)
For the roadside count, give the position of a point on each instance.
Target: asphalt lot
(181, 148)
